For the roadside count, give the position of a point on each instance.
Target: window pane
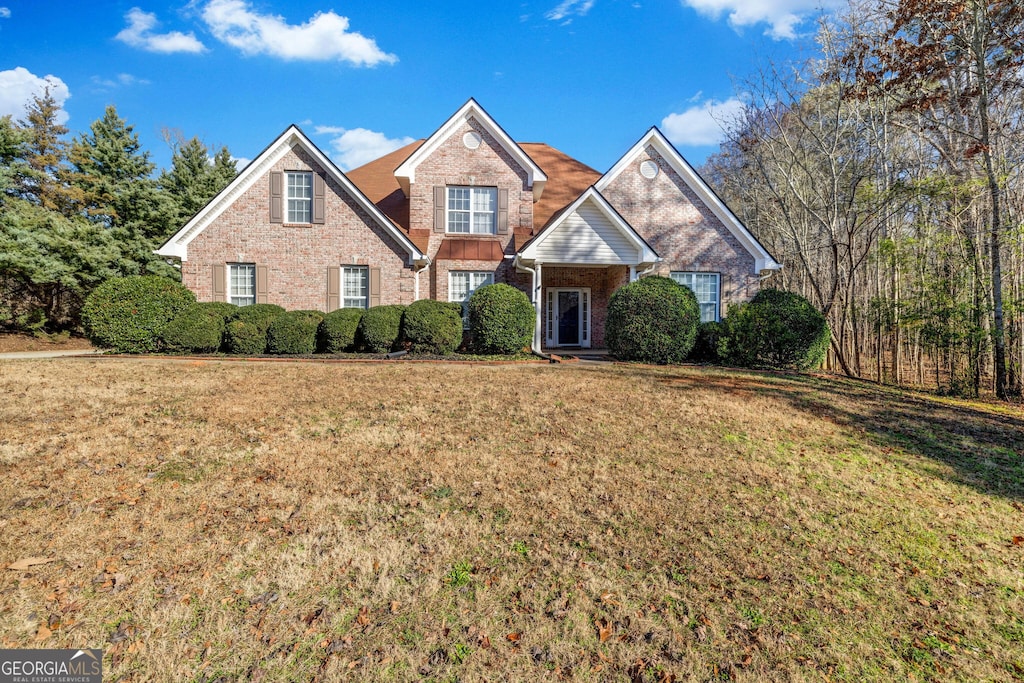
(355, 286)
(300, 197)
(472, 210)
(705, 288)
(242, 278)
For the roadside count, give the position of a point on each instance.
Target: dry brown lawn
(208, 520)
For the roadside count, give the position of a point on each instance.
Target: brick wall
(681, 228)
(452, 163)
(298, 256)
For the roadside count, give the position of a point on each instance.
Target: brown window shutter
(276, 197)
(374, 287)
(440, 199)
(261, 284)
(333, 288)
(502, 211)
(319, 194)
(220, 282)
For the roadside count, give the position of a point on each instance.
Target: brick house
(466, 207)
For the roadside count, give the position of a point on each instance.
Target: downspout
(535, 346)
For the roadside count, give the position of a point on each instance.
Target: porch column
(632, 273)
(538, 301)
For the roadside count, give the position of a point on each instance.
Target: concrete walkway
(22, 355)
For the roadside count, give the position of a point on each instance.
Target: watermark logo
(51, 666)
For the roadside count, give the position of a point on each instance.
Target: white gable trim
(177, 246)
(654, 137)
(644, 254)
(406, 171)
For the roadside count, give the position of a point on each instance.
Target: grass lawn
(211, 520)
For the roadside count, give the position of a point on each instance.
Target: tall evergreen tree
(45, 154)
(193, 180)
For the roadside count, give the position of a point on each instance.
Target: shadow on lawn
(984, 448)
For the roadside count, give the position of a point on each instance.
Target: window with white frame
(706, 287)
(355, 286)
(299, 195)
(462, 284)
(472, 210)
(242, 283)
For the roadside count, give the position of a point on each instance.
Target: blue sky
(361, 78)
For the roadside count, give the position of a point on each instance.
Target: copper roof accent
(473, 249)
(567, 180)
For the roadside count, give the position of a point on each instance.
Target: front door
(568, 317)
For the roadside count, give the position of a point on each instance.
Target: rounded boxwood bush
(129, 314)
(246, 331)
(777, 329)
(430, 326)
(379, 328)
(501, 319)
(652, 320)
(293, 332)
(337, 331)
(705, 348)
(198, 328)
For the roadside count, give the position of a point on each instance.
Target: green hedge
(246, 331)
(129, 314)
(198, 328)
(337, 331)
(501, 319)
(777, 329)
(293, 332)
(379, 328)
(430, 326)
(705, 348)
(652, 320)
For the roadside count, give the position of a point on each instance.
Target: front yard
(208, 520)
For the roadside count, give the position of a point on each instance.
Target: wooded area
(886, 175)
(73, 214)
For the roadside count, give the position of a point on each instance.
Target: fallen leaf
(604, 630)
(1018, 540)
(514, 637)
(43, 633)
(29, 562)
(363, 618)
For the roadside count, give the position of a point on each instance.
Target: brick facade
(681, 228)
(298, 256)
(664, 210)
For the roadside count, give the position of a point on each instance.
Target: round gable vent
(649, 169)
(471, 139)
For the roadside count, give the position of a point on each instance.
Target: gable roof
(655, 138)
(406, 171)
(292, 137)
(598, 244)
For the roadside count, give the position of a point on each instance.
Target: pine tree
(45, 154)
(193, 180)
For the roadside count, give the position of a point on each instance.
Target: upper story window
(705, 286)
(299, 196)
(472, 210)
(242, 283)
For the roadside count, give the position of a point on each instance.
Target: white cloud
(569, 8)
(241, 162)
(702, 124)
(324, 37)
(19, 85)
(121, 80)
(5, 12)
(139, 33)
(354, 147)
(782, 16)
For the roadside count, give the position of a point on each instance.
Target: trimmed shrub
(129, 314)
(293, 332)
(501, 319)
(198, 329)
(430, 326)
(652, 320)
(705, 348)
(246, 331)
(379, 328)
(777, 329)
(337, 331)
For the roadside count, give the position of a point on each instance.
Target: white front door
(567, 322)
